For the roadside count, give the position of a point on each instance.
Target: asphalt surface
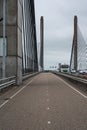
(45, 102)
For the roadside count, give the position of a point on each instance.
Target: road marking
(49, 122)
(73, 88)
(21, 89)
(3, 104)
(48, 108)
(16, 93)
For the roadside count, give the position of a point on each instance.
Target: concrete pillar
(75, 42)
(41, 43)
(13, 39)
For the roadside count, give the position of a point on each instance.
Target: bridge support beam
(41, 44)
(75, 43)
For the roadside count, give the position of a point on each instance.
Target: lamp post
(4, 22)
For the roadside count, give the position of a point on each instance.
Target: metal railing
(72, 77)
(12, 80)
(7, 82)
(25, 76)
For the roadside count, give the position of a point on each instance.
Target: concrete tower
(21, 43)
(75, 42)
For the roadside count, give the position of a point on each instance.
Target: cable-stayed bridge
(78, 59)
(18, 41)
(45, 100)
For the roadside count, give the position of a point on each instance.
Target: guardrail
(12, 80)
(7, 82)
(29, 75)
(72, 77)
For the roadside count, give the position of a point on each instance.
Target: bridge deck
(46, 103)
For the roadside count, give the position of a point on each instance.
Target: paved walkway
(46, 102)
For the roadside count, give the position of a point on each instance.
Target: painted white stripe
(16, 93)
(3, 104)
(48, 108)
(49, 122)
(21, 89)
(73, 88)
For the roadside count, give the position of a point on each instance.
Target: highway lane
(45, 103)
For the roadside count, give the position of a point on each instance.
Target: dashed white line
(49, 122)
(48, 108)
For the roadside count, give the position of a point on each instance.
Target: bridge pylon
(73, 60)
(41, 43)
(75, 42)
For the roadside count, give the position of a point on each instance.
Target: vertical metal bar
(4, 48)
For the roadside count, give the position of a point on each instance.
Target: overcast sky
(58, 23)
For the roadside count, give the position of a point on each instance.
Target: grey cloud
(58, 23)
